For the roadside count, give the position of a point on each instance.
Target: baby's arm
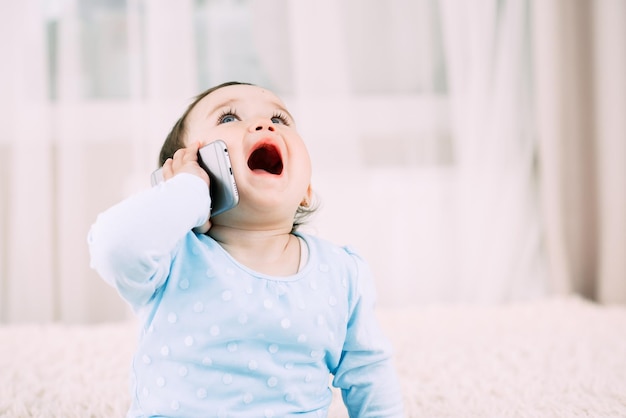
(366, 373)
(132, 243)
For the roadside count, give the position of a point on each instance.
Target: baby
(242, 316)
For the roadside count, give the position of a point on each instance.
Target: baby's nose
(262, 125)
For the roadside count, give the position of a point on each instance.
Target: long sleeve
(366, 373)
(132, 244)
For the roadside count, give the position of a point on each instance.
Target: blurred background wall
(473, 153)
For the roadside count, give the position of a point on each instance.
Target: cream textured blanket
(553, 358)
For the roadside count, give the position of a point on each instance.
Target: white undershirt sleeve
(132, 243)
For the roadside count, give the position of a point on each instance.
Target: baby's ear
(306, 200)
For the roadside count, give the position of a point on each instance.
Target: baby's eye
(280, 118)
(227, 118)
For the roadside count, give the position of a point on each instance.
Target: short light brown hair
(176, 138)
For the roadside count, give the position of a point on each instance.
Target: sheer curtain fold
(498, 244)
(580, 73)
(610, 99)
(164, 78)
(28, 271)
(170, 65)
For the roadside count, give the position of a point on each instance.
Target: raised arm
(132, 244)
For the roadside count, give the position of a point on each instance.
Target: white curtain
(438, 219)
(27, 207)
(499, 254)
(68, 159)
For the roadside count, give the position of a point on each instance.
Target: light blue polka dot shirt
(221, 340)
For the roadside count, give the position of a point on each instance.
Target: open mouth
(266, 158)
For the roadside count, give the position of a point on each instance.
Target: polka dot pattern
(223, 330)
(272, 381)
(201, 393)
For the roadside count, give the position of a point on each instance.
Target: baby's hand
(185, 160)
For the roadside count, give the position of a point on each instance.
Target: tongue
(266, 158)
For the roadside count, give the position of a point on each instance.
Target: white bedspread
(554, 358)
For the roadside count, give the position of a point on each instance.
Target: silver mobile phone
(214, 159)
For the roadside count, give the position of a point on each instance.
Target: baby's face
(270, 161)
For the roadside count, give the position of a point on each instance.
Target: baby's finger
(191, 152)
(179, 155)
(182, 158)
(186, 160)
